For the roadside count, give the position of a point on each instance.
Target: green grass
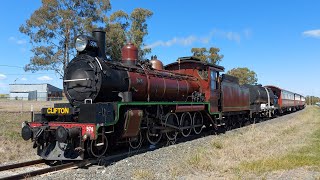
(143, 174)
(307, 156)
(13, 147)
(10, 124)
(200, 160)
(217, 144)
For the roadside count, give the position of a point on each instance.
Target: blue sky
(279, 40)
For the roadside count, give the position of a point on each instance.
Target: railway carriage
(287, 101)
(299, 101)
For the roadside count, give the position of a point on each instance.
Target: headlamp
(81, 43)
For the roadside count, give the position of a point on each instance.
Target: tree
(53, 27)
(312, 100)
(245, 75)
(139, 29)
(123, 27)
(212, 55)
(116, 28)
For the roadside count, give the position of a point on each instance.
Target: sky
(279, 40)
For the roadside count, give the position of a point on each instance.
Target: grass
(13, 147)
(25, 106)
(217, 144)
(290, 143)
(143, 174)
(308, 155)
(197, 158)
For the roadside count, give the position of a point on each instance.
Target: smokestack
(100, 35)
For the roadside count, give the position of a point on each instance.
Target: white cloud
(3, 85)
(312, 33)
(233, 36)
(2, 76)
(24, 79)
(4, 88)
(17, 41)
(189, 40)
(185, 41)
(44, 78)
(230, 35)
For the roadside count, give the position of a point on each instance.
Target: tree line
(211, 55)
(53, 27)
(312, 100)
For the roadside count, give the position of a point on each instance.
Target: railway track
(103, 161)
(76, 164)
(20, 165)
(41, 171)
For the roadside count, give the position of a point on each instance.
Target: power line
(11, 66)
(26, 74)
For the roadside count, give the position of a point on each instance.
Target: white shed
(39, 92)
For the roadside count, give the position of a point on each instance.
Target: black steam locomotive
(112, 102)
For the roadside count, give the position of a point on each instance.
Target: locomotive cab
(208, 77)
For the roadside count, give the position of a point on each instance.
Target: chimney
(100, 35)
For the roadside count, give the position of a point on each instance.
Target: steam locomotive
(113, 102)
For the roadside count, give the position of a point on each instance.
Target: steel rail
(49, 169)
(22, 164)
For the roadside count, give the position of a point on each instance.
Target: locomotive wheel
(172, 119)
(247, 121)
(136, 142)
(197, 121)
(186, 121)
(98, 147)
(153, 135)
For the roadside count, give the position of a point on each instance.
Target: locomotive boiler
(92, 78)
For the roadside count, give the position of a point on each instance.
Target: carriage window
(213, 76)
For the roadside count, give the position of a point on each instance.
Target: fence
(8, 104)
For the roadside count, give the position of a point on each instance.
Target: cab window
(213, 77)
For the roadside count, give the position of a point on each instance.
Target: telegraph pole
(309, 100)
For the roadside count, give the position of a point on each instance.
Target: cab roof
(192, 62)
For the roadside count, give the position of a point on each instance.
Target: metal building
(39, 92)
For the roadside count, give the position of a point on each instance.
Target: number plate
(57, 111)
